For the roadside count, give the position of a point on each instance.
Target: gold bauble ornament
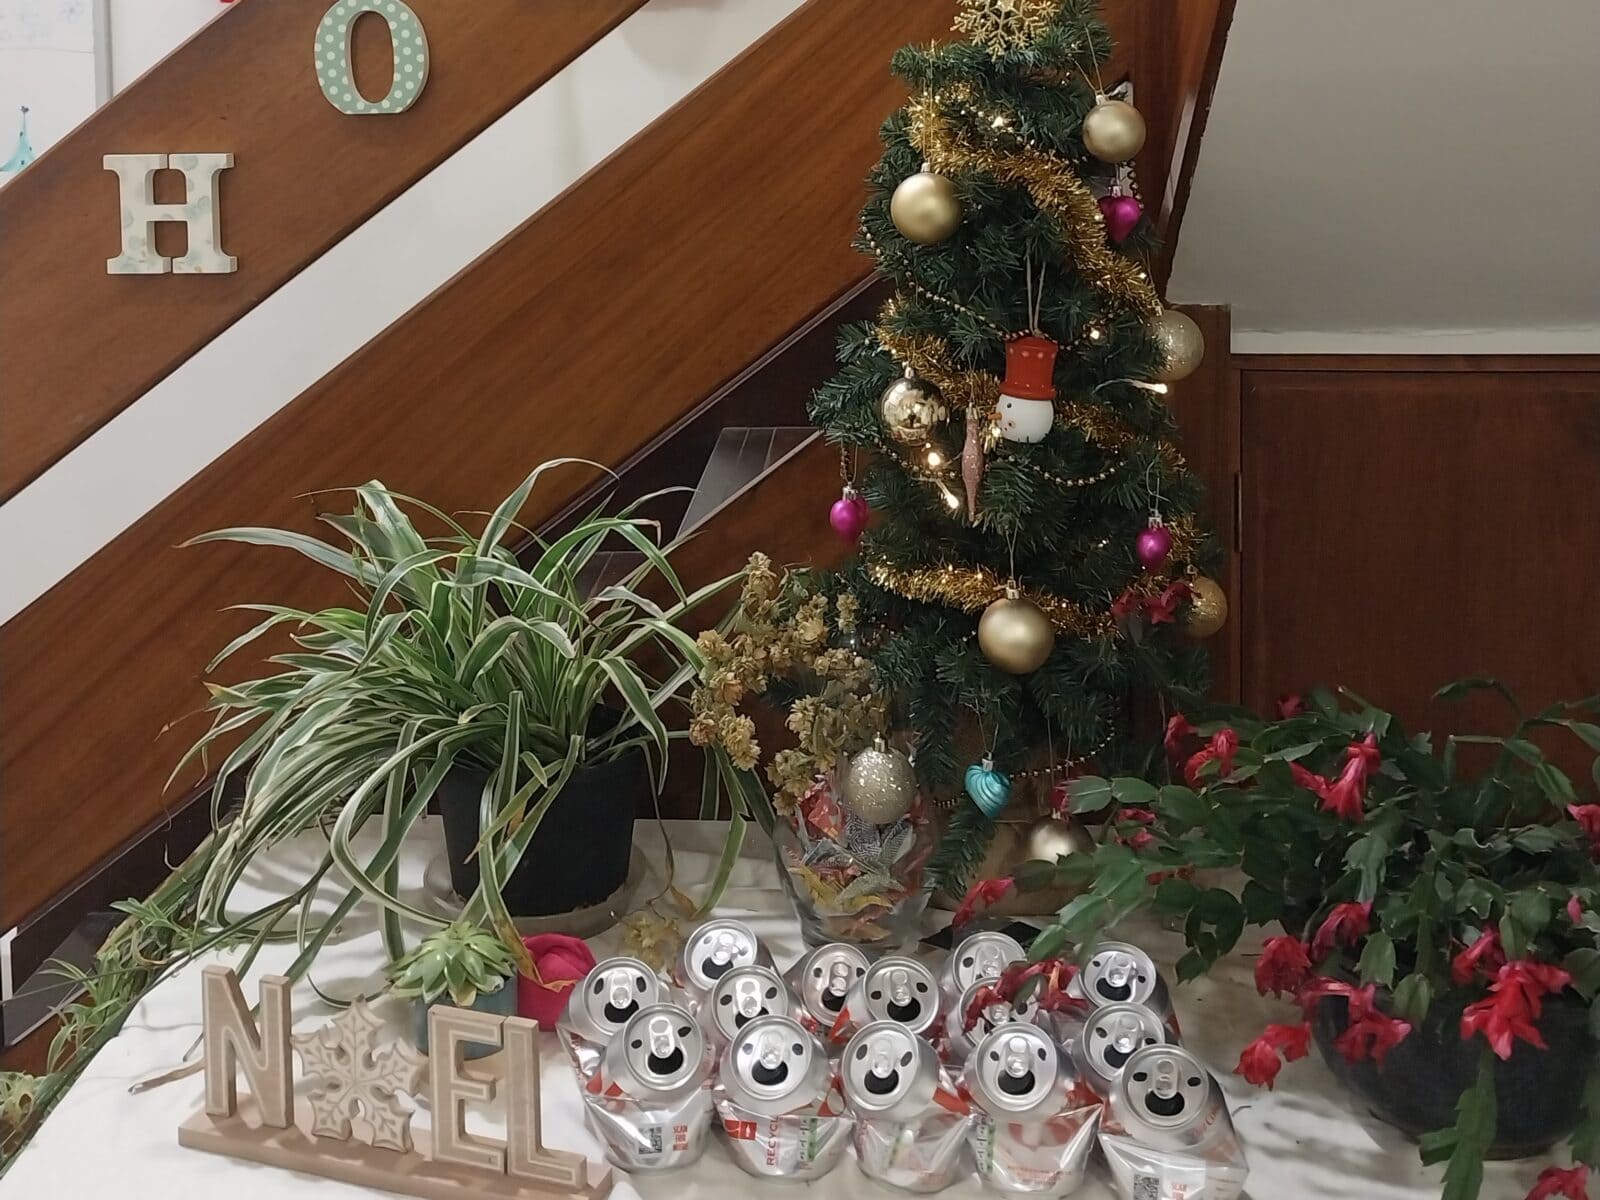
(911, 408)
(925, 208)
(1113, 131)
(880, 784)
(1053, 838)
(1182, 346)
(1015, 635)
(1209, 610)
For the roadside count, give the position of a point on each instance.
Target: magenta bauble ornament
(1122, 214)
(1155, 543)
(848, 516)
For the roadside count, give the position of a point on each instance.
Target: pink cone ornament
(848, 516)
(1155, 543)
(1122, 214)
(559, 962)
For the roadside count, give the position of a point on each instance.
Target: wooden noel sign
(357, 1130)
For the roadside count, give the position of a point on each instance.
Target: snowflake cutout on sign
(358, 1079)
(1001, 26)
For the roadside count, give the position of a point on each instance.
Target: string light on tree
(1182, 346)
(925, 208)
(880, 785)
(911, 409)
(1113, 130)
(1015, 635)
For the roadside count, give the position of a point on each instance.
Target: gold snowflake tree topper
(1001, 26)
(358, 1078)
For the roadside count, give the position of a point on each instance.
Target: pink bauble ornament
(848, 516)
(1155, 543)
(559, 964)
(1122, 213)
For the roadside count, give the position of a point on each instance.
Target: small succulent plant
(461, 961)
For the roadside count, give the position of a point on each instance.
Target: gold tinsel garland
(972, 589)
(1055, 187)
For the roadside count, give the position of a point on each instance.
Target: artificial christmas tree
(1008, 592)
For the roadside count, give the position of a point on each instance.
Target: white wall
(1404, 176)
(480, 194)
(143, 32)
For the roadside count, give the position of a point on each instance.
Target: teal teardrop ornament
(990, 789)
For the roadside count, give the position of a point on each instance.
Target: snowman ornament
(1027, 396)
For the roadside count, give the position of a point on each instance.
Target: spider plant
(456, 654)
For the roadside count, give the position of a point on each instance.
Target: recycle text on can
(897, 989)
(601, 1004)
(1035, 1133)
(779, 1107)
(978, 956)
(1173, 1137)
(910, 1125)
(650, 1103)
(822, 981)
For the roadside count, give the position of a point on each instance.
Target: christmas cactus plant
(1434, 923)
(458, 963)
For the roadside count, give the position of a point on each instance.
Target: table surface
(1304, 1140)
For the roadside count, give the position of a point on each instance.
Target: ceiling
(1402, 176)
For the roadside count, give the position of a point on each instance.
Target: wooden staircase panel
(588, 331)
(304, 177)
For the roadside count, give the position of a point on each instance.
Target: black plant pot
(1538, 1093)
(581, 851)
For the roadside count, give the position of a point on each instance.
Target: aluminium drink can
(713, 950)
(960, 1039)
(978, 956)
(822, 981)
(1170, 1137)
(1036, 1132)
(896, 988)
(1109, 1037)
(742, 995)
(650, 1103)
(1118, 973)
(601, 1004)
(778, 1102)
(910, 1124)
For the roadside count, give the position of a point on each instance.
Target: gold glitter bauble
(1182, 345)
(925, 208)
(1015, 635)
(880, 784)
(1053, 838)
(911, 409)
(1209, 611)
(1113, 131)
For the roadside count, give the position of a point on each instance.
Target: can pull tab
(882, 1062)
(621, 990)
(771, 1053)
(725, 949)
(1119, 972)
(1165, 1079)
(900, 986)
(1016, 1057)
(987, 964)
(748, 998)
(1125, 1035)
(663, 1041)
(839, 979)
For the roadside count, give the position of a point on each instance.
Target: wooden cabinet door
(1404, 528)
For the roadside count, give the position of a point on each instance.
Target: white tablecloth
(1305, 1140)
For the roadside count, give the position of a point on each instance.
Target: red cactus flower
(1163, 609)
(1346, 925)
(1309, 780)
(981, 895)
(1220, 750)
(1571, 1182)
(1514, 1002)
(1178, 731)
(1574, 910)
(1290, 705)
(1283, 966)
(1588, 817)
(1126, 605)
(1344, 797)
(1358, 1001)
(1487, 947)
(1371, 1035)
(1259, 1062)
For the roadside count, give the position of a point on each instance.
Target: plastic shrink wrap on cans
(778, 1103)
(977, 956)
(1037, 1126)
(1169, 1136)
(713, 950)
(650, 1101)
(911, 1124)
(821, 981)
(604, 1000)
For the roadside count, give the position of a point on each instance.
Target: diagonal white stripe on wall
(448, 219)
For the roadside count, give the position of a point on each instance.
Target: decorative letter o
(409, 45)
